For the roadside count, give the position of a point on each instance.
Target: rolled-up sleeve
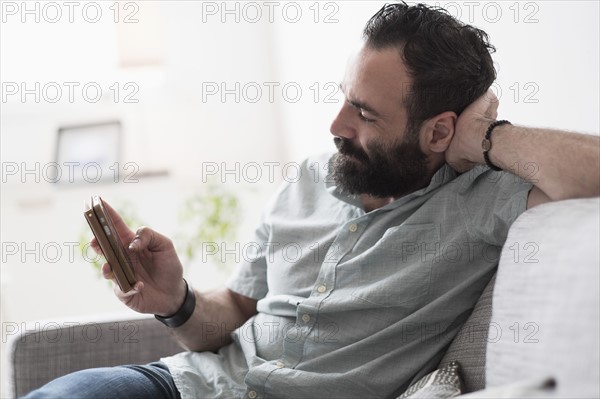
(250, 277)
(492, 202)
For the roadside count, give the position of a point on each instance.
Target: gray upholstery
(553, 282)
(469, 345)
(546, 318)
(44, 353)
(40, 357)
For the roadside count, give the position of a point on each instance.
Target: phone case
(101, 225)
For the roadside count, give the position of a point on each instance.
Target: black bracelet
(486, 144)
(185, 311)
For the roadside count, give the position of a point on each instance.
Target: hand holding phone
(157, 285)
(108, 239)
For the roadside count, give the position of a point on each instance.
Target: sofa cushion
(469, 345)
(546, 302)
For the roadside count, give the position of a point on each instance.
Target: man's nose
(342, 124)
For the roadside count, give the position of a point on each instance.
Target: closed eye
(363, 117)
(360, 107)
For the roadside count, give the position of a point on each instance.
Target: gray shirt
(355, 304)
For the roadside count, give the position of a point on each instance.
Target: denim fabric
(127, 382)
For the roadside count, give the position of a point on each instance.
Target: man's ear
(439, 132)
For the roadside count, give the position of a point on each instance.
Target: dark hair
(449, 62)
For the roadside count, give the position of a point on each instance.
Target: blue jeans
(150, 381)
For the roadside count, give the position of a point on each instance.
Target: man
(394, 242)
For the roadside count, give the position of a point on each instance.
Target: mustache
(346, 148)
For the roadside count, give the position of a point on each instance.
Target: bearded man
(395, 240)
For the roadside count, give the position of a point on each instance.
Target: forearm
(215, 316)
(561, 164)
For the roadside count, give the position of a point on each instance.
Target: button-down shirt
(354, 303)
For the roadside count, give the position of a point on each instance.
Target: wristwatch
(185, 311)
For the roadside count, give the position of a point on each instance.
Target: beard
(386, 171)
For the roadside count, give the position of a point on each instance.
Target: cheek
(369, 138)
(365, 144)
(374, 146)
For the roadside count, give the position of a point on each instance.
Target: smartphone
(104, 230)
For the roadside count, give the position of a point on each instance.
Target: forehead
(377, 77)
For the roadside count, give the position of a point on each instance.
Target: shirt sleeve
(250, 277)
(491, 201)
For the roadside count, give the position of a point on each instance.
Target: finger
(136, 289)
(146, 238)
(494, 114)
(491, 110)
(491, 97)
(124, 232)
(107, 272)
(141, 239)
(95, 246)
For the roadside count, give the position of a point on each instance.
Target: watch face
(486, 145)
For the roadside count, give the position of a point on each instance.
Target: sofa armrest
(546, 303)
(45, 350)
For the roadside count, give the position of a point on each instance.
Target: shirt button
(306, 318)
(252, 394)
(322, 288)
(280, 365)
(353, 227)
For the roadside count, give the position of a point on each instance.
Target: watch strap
(184, 312)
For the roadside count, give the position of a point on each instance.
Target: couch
(537, 321)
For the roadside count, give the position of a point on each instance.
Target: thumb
(146, 238)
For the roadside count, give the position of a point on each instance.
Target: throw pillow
(441, 383)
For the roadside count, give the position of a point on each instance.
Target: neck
(370, 203)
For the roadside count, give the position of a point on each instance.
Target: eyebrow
(359, 104)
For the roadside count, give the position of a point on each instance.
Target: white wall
(174, 128)
(551, 49)
(170, 128)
